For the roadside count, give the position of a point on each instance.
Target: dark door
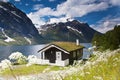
(52, 57)
(50, 54)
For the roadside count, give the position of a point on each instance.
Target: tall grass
(108, 69)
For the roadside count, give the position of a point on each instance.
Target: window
(58, 55)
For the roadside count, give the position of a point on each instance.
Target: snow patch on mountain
(14, 13)
(42, 29)
(74, 30)
(8, 38)
(3, 8)
(28, 40)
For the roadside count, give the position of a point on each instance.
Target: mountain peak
(77, 22)
(67, 31)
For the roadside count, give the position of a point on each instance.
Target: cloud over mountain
(106, 24)
(70, 8)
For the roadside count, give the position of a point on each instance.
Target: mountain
(16, 27)
(67, 31)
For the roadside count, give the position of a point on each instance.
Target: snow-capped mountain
(15, 26)
(67, 31)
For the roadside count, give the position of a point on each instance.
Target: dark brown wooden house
(61, 53)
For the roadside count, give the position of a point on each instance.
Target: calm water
(5, 51)
(86, 53)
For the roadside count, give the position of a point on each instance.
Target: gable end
(52, 45)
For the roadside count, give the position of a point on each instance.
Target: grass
(104, 70)
(24, 70)
(33, 69)
(69, 46)
(107, 69)
(55, 68)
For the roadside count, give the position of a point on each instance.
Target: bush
(18, 58)
(5, 64)
(32, 59)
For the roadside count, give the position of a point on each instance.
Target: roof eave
(53, 45)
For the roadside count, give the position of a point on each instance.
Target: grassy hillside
(18, 41)
(100, 67)
(109, 40)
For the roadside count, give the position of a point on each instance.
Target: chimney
(77, 42)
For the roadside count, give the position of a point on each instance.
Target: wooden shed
(61, 53)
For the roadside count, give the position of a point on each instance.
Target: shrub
(18, 58)
(32, 59)
(5, 64)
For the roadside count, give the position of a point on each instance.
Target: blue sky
(101, 15)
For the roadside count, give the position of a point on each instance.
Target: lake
(5, 51)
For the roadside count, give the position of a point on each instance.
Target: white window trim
(59, 55)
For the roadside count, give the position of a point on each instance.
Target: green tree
(109, 40)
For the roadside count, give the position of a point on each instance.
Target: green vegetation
(55, 68)
(69, 46)
(3, 42)
(110, 40)
(22, 61)
(103, 70)
(25, 70)
(18, 41)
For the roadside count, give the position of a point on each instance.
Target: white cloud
(37, 6)
(36, 19)
(71, 8)
(115, 2)
(17, 0)
(26, 4)
(5, 0)
(106, 24)
(79, 8)
(51, 0)
(62, 19)
(36, 0)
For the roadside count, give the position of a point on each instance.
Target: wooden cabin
(61, 53)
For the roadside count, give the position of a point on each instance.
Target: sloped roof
(68, 46)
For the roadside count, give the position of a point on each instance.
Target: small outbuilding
(61, 53)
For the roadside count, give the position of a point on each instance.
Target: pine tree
(110, 40)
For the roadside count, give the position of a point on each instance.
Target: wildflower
(32, 59)
(77, 79)
(87, 72)
(97, 77)
(5, 64)
(82, 74)
(47, 69)
(115, 59)
(18, 57)
(15, 55)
